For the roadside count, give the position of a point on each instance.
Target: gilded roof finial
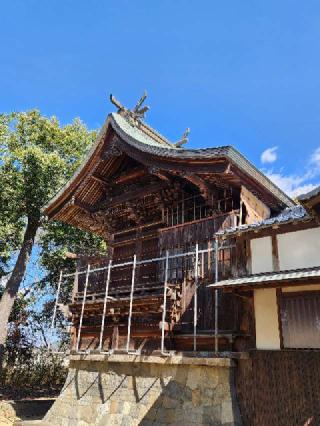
(184, 138)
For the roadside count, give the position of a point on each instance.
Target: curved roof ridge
(140, 130)
(154, 133)
(137, 137)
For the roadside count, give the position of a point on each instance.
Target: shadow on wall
(141, 393)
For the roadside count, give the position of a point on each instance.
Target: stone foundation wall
(144, 390)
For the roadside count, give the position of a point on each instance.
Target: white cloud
(303, 189)
(292, 185)
(315, 158)
(295, 185)
(270, 155)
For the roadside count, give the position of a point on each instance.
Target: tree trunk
(13, 284)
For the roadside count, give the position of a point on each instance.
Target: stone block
(154, 390)
(227, 413)
(196, 398)
(194, 377)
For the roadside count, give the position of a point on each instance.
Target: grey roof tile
(269, 277)
(135, 136)
(141, 138)
(310, 194)
(290, 214)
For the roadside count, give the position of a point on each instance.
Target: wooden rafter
(131, 175)
(129, 196)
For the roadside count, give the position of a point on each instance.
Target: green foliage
(34, 373)
(59, 238)
(37, 156)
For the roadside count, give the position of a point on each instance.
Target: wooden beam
(159, 173)
(131, 195)
(275, 253)
(104, 181)
(88, 208)
(205, 189)
(131, 175)
(172, 165)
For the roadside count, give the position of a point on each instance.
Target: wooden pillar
(275, 253)
(114, 344)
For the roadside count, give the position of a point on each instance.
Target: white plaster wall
(266, 317)
(261, 255)
(300, 249)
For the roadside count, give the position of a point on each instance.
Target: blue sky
(245, 73)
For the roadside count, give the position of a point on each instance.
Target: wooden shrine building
(150, 198)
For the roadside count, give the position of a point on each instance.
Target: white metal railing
(197, 253)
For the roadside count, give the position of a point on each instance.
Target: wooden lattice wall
(279, 388)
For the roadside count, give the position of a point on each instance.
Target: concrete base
(144, 390)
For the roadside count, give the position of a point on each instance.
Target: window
(300, 319)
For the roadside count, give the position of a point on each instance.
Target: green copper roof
(143, 138)
(138, 132)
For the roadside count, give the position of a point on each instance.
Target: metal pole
(164, 309)
(56, 301)
(216, 295)
(55, 308)
(105, 305)
(202, 264)
(131, 301)
(195, 299)
(82, 308)
(182, 209)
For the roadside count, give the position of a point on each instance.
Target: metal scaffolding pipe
(146, 261)
(105, 306)
(82, 308)
(164, 306)
(216, 296)
(55, 308)
(131, 301)
(195, 299)
(56, 301)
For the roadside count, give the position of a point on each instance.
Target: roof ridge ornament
(184, 139)
(135, 114)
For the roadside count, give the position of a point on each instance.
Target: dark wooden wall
(279, 388)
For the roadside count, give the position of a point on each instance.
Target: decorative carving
(112, 149)
(137, 113)
(116, 103)
(137, 110)
(184, 139)
(103, 221)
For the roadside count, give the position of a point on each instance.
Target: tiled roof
(146, 139)
(290, 214)
(305, 197)
(269, 277)
(136, 137)
(141, 132)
